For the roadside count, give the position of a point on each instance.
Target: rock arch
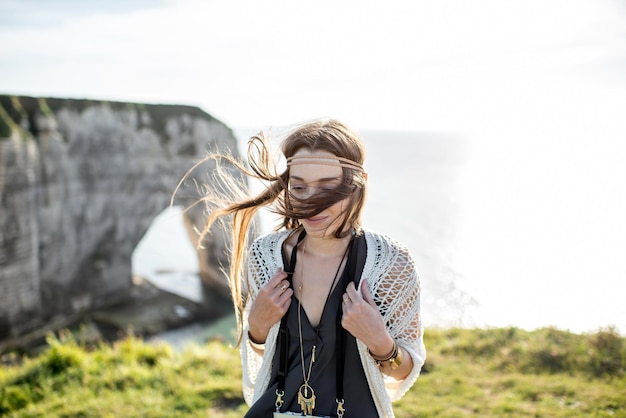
(80, 182)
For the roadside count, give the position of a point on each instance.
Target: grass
(480, 372)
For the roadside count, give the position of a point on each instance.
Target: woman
(331, 324)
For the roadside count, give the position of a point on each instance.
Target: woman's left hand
(362, 319)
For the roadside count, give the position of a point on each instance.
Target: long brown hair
(226, 198)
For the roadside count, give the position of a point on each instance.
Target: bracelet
(254, 344)
(394, 359)
(392, 354)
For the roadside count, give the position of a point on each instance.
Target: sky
(448, 65)
(536, 87)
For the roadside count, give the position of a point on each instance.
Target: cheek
(339, 207)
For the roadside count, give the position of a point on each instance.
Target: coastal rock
(80, 183)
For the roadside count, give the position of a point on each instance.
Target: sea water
(503, 234)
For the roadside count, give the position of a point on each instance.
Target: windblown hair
(227, 199)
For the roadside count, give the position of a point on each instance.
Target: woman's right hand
(270, 305)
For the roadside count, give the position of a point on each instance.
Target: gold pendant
(307, 403)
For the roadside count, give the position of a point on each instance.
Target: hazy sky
(448, 65)
(537, 86)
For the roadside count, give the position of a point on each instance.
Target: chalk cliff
(80, 183)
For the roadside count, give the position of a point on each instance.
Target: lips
(316, 220)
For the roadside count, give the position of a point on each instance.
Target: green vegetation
(17, 113)
(13, 117)
(6, 124)
(43, 107)
(482, 372)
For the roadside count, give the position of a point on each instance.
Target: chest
(313, 282)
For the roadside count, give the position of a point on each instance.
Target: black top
(357, 395)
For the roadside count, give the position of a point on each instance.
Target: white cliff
(80, 183)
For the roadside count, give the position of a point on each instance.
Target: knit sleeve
(395, 286)
(251, 360)
(263, 261)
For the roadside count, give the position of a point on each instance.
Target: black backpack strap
(354, 269)
(283, 332)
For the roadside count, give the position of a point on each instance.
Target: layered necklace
(306, 394)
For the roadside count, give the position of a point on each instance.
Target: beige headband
(325, 160)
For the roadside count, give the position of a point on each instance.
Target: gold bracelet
(394, 359)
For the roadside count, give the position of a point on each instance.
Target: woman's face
(306, 180)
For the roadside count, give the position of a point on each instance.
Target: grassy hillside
(486, 373)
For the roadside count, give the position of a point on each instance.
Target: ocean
(528, 234)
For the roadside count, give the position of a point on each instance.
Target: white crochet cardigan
(389, 272)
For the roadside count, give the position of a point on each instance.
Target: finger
(277, 277)
(346, 299)
(352, 292)
(282, 286)
(287, 299)
(367, 294)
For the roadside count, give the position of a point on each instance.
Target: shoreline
(151, 313)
